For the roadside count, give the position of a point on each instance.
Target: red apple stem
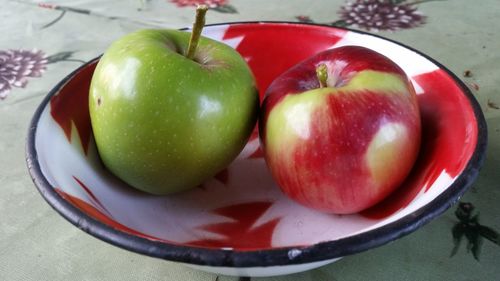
(198, 24)
(322, 74)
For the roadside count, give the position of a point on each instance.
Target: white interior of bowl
(243, 204)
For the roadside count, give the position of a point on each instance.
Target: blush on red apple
(341, 130)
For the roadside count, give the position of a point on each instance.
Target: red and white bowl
(239, 223)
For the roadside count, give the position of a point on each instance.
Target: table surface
(52, 39)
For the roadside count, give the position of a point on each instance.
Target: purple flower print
(17, 65)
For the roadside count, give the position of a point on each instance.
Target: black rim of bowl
(278, 256)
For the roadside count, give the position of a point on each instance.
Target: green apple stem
(322, 74)
(198, 24)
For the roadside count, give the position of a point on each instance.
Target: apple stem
(322, 74)
(198, 24)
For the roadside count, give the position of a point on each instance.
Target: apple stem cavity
(322, 74)
(198, 24)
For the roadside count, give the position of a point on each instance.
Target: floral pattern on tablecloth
(221, 6)
(377, 15)
(468, 226)
(374, 15)
(16, 66)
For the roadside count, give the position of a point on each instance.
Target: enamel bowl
(239, 223)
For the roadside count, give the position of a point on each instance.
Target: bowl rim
(263, 257)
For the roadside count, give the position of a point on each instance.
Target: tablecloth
(41, 42)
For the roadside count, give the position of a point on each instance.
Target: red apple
(341, 130)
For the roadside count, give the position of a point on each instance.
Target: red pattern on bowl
(240, 213)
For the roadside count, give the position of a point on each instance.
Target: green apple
(169, 109)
